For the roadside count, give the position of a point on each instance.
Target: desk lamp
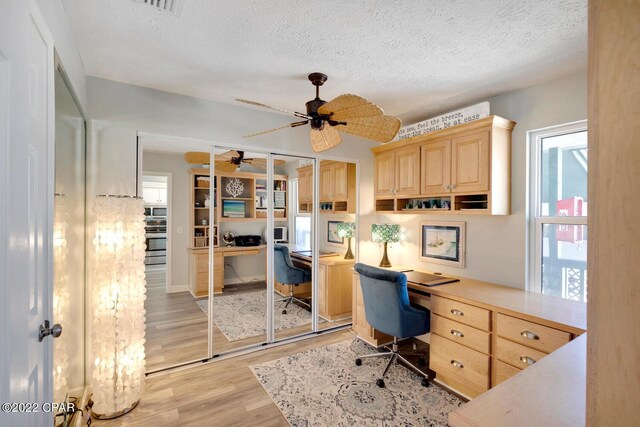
(385, 233)
(348, 230)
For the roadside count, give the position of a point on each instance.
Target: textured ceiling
(413, 58)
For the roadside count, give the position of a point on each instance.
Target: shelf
(426, 210)
(202, 188)
(199, 207)
(237, 198)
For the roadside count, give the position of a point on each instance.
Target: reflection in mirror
(239, 306)
(292, 260)
(177, 251)
(336, 235)
(68, 248)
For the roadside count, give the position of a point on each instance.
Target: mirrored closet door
(179, 196)
(68, 246)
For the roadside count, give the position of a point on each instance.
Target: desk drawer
(458, 366)
(461, 312)
(531, 334)
(504, 371)
(460, 333)
(242, 252)
(516, 354)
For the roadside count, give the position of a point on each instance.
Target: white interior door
(26, 191)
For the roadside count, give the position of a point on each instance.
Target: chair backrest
(285, 271)
(386, 302)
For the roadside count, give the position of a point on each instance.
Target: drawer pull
(527, 360)
(457, 333)
(457, 364)
(456, 312)
(529, 335)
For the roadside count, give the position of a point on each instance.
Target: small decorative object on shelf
(234, 187)
(228, 238)
(207, 200)
(348, 230)
(385, 233)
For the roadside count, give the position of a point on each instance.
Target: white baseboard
(245, 279)
(178, 288)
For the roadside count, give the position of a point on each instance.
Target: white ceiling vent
(172, 6)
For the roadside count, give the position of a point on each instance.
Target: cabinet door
(470, 163)
(304, 185)
(407, 168)
(436, 167)
(326, 183)
(340, 184)
(384, 174)
(322, 290)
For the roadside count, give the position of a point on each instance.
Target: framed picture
(443, 242)
(233, 208)
(332, 232)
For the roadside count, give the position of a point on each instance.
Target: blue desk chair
(387, 309)
(288, 274)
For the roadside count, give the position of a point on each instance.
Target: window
(558, 211)
(301, 222)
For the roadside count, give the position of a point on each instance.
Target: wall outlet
(179, 229)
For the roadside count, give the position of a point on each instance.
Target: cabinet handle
(456, 364)
(527, 360)
(457, 333)
(456, 312)
(529, 335)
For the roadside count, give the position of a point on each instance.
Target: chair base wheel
(284, 311)
(425, 382)
(380, 383)
(358, 362)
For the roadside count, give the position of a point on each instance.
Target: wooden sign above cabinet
(464, 169)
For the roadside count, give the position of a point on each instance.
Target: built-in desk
(482, 333)
(334, 276)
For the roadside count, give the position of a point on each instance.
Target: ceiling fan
(227, 162)
(346, 113)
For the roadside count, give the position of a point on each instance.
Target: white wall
(65, 46)
(496, 246)
(180, 204)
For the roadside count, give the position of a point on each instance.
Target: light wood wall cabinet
(337, 187)
(397, 173)
(305, 188)
(461, 169)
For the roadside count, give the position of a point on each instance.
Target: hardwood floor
(221, 393)
(177, 328)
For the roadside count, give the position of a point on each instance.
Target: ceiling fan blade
(282, 110)
(227, 156)
(378, 128)
(290, 125)
(225, 167)
(197, 157)
(349, 106)
(325, 138)
(262, 163)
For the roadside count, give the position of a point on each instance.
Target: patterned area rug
(244, 315)
(324, 387)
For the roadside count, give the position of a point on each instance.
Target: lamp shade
(385, 232)
(118, 324)
(346, 229)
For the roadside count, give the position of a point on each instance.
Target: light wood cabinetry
(398, 172)
(436, 167)
(199, 272)
(481, 333)
(360, 326)
(337, 182)
(305, 188)
(461, 169)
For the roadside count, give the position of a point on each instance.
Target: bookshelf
(202, 232)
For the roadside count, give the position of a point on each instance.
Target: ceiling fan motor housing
(312, 111)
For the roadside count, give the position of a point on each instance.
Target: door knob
(45, 330)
